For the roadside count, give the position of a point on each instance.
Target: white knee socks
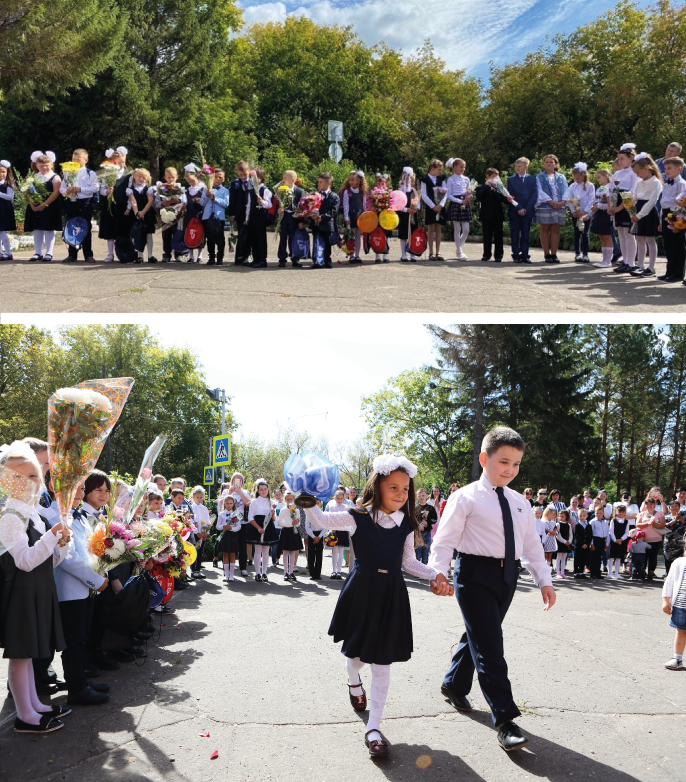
(110, 248)
(18, 674)
(403, 250)
(257, 558)
(627, 243)
(608, 252)
(38, 242)
(618, 564)
(561, 560)
(336, 558)
(39, 707)
(358, 242)
(7, 250)
(261, 559)
(381, 679)
(149, 243)
(43, 237)
(232, 568)
(226, 571)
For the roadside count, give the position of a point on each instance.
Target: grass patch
(137, 290)
(177, 660)
(524, 707)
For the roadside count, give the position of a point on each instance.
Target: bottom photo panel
(321, 548)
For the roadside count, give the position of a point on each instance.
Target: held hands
(549, 597)
(521, 212)
(316, 540)
(441, 587)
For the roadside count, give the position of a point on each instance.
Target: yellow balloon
(191, 551)
(388, 219)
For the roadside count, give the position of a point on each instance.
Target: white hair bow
(360, 174)
(627, 146)
(109, 152)
(5, 163)
(190, 168)
(580, 167)
(449, 162)
(389, 462)
(122, 150)
(35, 155)
(408, 170)
(641, 156)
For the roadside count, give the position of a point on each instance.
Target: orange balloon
(367, 222)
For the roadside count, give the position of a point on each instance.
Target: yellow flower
(70, 167)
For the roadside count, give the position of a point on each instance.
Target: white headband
(628, 145)
(190, 168)
(641, 156)
(408, 170)
(5, 163)
(580, 167)
(122, 150)
(388, 463)
(35, 155)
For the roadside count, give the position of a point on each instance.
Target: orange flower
(96, 543)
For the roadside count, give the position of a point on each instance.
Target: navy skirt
(372, 616)
(229, 543)
(647, 226)
(601, 223)
(270, 533)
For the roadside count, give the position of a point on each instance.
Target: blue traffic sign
(221, 450)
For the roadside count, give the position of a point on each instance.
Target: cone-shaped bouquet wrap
(145, 475)
(79, 421)
(16, 491)
(311, 476)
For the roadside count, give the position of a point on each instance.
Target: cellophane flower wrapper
(308, 205)
(78, 425)
(311, 473)
(108, 174)
(379, 198)
(32, 191)
(14, 486)
(70, 169)
(140, 488)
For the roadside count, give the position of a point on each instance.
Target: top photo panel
(217, 156)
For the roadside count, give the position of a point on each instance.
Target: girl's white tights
(460, 232)
(261, 559)
(290, 558)
(617, 562)
(6, 249)
(337, 559)
(23, 687)
(641, 243)
(358, 242)
(403, 249)
(110, 248)
(149, 241)
(561, 560)
(41, 237)
(627, 243)
(381, 679)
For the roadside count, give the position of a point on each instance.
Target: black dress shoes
(92, 671)
(510, 737)
(47, 689)
(140, 637)
(669, 278)
(106, 663)
(88, 697)
(459, 702)
(100, 687)
(61, 684)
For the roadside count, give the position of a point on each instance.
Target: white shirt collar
(483, 480)
(396, 517)
(90, 510)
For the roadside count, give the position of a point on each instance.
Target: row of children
(627, 210)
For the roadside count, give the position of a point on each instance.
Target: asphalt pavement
(451, 286)
(253, 665)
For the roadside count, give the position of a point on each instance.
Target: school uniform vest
(565, 529)
(7, 220)
(440, 182)
(355, 206)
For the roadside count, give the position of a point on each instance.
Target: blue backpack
(301, 244)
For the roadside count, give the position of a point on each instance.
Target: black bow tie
(669, 181)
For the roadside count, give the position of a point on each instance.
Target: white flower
(117, 549)
(84, 396)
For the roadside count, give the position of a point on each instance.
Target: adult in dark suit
(523, 188)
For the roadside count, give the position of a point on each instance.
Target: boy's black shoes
(459, 702)
(510, 737)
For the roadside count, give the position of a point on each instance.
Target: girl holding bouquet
(408, 215)
(169, 195)
(433, 194)
(141, 203)
(580, 197)
(289, 521)
(45, 218)
(601, 222)
(646, 218)
(194, 196)
(108, 229)
(459, 194)
(624, 180)
(383, 183)
(352, 197)
(229, 521)
(7, 219)
(372, 615)
(261, 529)
(31, 626)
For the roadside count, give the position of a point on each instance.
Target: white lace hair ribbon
(389, 462)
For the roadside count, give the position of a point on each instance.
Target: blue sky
(466, 33)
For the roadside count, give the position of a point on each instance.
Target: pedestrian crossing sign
(209, 476)
(221, 450)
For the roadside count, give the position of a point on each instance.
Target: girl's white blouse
(13, 536)
(227, 519)
(260, 506)
(320, 519)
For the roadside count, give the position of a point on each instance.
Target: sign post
(335, 136)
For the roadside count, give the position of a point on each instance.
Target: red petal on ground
(214, 755)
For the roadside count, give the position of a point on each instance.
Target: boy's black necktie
(508, 526)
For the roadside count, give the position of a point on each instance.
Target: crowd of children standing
(133, 209)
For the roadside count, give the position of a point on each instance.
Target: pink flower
(117, 528)
(133, 543)
(146, 473)
(118, 512)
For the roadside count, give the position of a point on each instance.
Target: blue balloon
(311, 473)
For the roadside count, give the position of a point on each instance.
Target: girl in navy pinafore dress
(372, 615)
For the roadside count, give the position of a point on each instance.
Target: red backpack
(418, 241)
(194, 235)
(378, 240)
(273, 211)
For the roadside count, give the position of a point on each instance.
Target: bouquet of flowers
(676, 218)
(70, 169)
(308, 205)
(575, 206)
(628, 203)
(285, 196)
(155, 535)
(206, 172)
(169, 191)
(79, 421)
(502, 190)
(379, 198)
(108, 173)
(347, 243)
(32, 190)
(140, 488)
(112, 542)
(179, 554)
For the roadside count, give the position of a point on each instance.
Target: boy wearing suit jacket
(523, 188)
(288, 224)
(324, 223)
(583, 538)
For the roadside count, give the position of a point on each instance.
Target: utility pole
(223, 422)
(108, 447)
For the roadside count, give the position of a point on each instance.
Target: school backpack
(273, 211)
(418, 241)
(139, 235)
(177, 242)
(318, 250)
(194, 235)
(378, 240)
(301, 244)
(75, 231)
(123, 249)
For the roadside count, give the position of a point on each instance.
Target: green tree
(48, 47)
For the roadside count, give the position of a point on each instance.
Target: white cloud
(466, 34)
